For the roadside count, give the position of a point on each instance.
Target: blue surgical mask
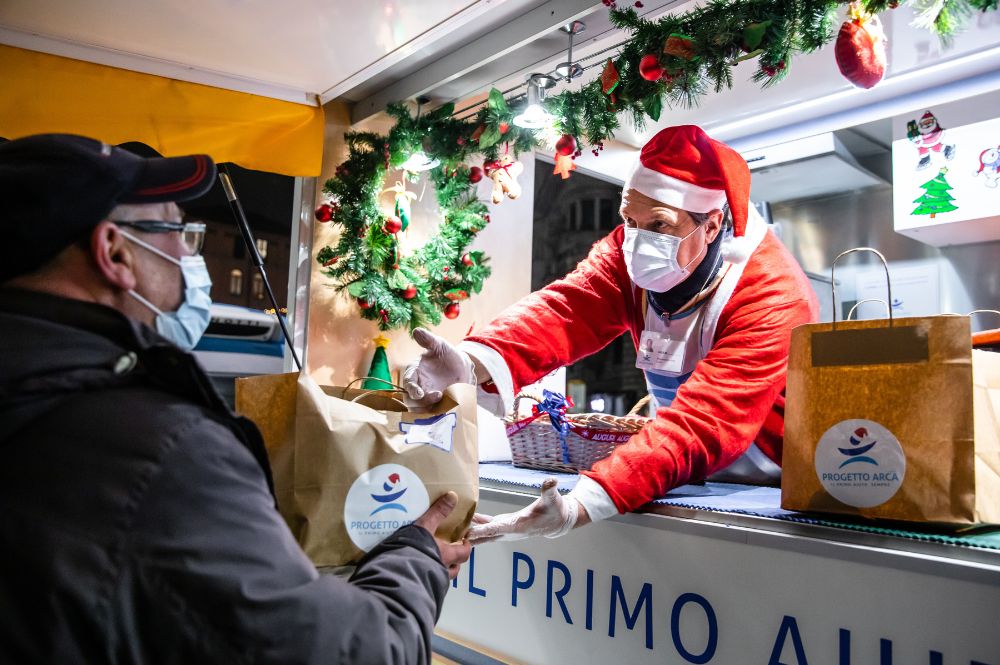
(185, 326)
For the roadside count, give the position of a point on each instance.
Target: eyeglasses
(192, 233)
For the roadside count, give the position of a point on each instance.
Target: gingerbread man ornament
(504, 172)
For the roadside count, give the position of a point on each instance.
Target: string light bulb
(419, 161)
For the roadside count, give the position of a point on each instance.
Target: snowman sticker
(989, 166)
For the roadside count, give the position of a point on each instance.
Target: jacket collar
(91, 317)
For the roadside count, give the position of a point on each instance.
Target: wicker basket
(535, 444)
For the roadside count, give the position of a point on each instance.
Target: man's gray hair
(702, 217)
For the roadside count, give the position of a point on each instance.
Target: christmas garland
(680, 57)
(671, 61)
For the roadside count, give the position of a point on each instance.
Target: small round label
(381, 500)
(860, 463)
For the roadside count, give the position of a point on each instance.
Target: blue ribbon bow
(554, 405)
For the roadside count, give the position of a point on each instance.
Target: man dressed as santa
(705, 284)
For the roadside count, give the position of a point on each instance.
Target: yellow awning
(47, 93)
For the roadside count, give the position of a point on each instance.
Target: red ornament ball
(475, 174)
(452, 310)
(324, 213)
(410, 292)
(650, 68)
(772, 70)
(393, 224)
(503, 127)
(364, 304)
(860, 52)
(566, 145)
(466, 260)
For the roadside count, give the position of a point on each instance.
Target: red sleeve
(567, 320)
(718, 411)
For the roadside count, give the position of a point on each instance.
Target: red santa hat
(683, 167)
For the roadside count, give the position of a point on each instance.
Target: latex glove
(550, 515)
(439, 366)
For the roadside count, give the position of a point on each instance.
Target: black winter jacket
(137, 525)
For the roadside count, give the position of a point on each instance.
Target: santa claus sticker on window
(927, 135)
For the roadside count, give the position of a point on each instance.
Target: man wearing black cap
(136, 522)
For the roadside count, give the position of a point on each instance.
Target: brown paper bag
(892, 421)
(352, 466)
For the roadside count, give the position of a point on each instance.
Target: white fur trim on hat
(736, 249)
(674, 192)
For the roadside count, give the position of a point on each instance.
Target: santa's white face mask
(651, 259)
(185, 326)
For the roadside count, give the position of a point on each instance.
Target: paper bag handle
(375, 378)
(862, 302)
(985, 311)
(975, 311)
(833, 281)
(373, 392)
(376, 390)
(985, 338)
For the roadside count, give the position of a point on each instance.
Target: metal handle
(833, 280)
(862, 302)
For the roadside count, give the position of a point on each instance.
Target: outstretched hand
(550, 515)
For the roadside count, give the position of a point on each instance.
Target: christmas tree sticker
(379, 377)
(935, 198)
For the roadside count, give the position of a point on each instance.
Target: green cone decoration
(379, 377)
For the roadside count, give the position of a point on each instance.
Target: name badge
(660, 353)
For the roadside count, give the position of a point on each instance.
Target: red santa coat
(734, 397)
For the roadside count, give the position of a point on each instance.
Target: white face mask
(651, 259)
(185, 326)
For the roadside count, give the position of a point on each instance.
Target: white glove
(550, 515)
(438, 367)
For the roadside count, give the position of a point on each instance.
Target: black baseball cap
(55, 188)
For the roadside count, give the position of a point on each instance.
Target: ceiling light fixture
(534, 116)
(570, 70)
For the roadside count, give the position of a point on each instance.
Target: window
(588, 209)
(608, 216)
(262, 248)
(589, 223)
(258, 286)
(235, 282)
